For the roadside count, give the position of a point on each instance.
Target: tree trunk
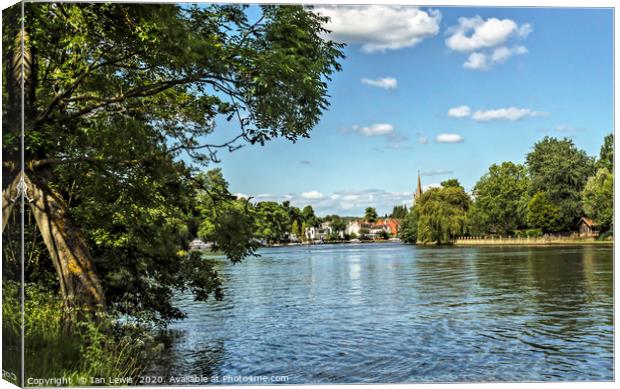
(9, 196)
(79, 285)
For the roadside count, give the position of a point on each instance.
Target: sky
(445, 91)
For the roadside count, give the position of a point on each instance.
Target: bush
(529, 233)
(105, 348)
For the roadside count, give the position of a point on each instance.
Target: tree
(606, 155)
(111, 106)
(338, 224)
(225, 220)
(399, 212)
(296, 228)
(442, 213)
(542, 213)
(453, 182)
(272, 221)
(409, 228)
(370, 215)
(598, 199)
(560, 170)
(309, 219)
(501, 197)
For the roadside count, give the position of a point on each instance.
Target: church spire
(418, 191)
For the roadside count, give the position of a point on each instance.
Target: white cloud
(373, 130)
(511, 113)
(486, 40)
(482, 61)
(473, 34)
(430, 186)
(524, 30)
(422, 140)
(385, 83)
(312, 195)
(459, 112)
(347, 202)
(449, 138)
(503, 53)
(378, 28)
(477, 61)
(430, 173)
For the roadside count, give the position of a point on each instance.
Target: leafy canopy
(501, 197)
(122, 104)
(561, 170)
(598, 199)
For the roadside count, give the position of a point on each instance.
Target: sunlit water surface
(392, 313)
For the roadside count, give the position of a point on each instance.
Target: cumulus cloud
(449, 138)
(313, 194)
(385, 83)
(347, 202)
(459, 112)
(378, 28)
(483, 61)
(477, 61)
(372, 130)
(486, 40)
(511, 113)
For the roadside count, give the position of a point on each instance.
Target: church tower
(418, 191)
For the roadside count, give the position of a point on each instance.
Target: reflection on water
(396, 313)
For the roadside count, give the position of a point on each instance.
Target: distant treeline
(557, 185)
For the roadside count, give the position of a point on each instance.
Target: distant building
(389, 226)
(418, 192)
(199, 244)
(587, 227)
(322, 232)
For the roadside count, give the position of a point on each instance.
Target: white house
(322, 232)
(198, 244)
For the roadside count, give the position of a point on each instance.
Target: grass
(102, 349)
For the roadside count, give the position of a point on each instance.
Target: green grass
(92, 349)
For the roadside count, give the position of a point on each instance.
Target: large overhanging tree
(120, 106)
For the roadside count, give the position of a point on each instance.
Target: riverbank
(541, 241)
(352, 241)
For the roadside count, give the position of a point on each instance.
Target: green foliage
(225, 220)
(296, 228)
(272, 221)
(119, 119)
(453, 182)
(529, 233)
(370, 215)
(338, 224)
(309, 219)
(409, 228)
(606, 155)
(598, 199)
(542, 213)
(561, 170)
(442, 213)
(399, 212)
(501, 197)
(101, 349)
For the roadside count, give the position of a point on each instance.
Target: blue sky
(512, 75)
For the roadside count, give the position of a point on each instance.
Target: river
(389, 313)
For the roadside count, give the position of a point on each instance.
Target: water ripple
(395, 313)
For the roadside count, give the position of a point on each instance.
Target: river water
(389, 313)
